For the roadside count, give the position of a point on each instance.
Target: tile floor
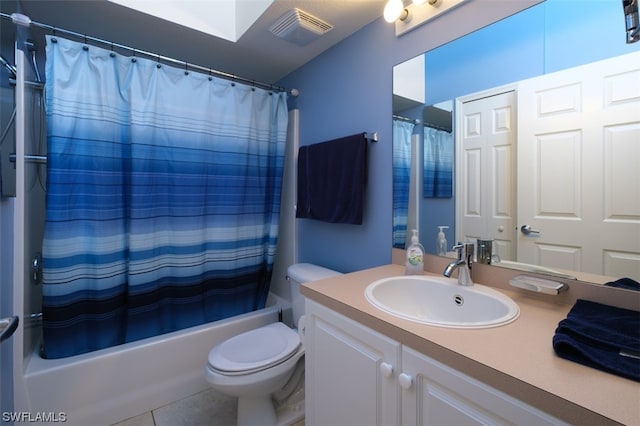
(207, 408)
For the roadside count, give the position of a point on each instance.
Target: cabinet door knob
(405, 381)
(386, 369)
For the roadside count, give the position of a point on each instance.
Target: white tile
(207, 408)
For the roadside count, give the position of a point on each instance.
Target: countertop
(516, 358)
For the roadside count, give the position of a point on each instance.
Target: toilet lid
(255, 350)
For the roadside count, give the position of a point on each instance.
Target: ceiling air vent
(299, 27)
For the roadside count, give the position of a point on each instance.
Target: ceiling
(256, 55)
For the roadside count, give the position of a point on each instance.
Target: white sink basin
(441, 302)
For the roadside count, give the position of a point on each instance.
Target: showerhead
(10, 68)
(631, 20)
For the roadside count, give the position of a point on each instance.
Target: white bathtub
(113, 384)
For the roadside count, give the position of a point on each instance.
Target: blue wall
(551, 36)
(507, 51)
(348, 89)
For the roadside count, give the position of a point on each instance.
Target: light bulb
(393, 10)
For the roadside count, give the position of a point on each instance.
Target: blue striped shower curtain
(163, 197)
(438, 163)
(402, 131)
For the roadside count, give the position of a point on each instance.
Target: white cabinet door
(579, 168)
(440, 395)
(350, 372)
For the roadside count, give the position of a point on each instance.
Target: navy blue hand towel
(626, 283)
(602, 337)
(331, 180)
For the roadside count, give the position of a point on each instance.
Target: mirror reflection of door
(578, 151)
(578, 184)
(486, 163)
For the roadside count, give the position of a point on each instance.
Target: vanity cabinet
(357, 376)
(349, 372)
(435, 394)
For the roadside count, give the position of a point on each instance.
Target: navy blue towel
(331, 180)
(625, 283)
(602, 337)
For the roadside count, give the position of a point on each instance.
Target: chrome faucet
(465, 259)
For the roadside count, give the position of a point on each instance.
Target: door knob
(527, 230)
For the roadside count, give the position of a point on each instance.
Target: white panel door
(579, 168)
(487, 164)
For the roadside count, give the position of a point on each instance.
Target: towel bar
(371, 137)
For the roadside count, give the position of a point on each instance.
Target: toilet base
(259, 411)
(290, 414)
(289, 401)
(286, 409)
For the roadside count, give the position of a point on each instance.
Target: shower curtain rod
(437, 127)
(25, 21)
(409, 120)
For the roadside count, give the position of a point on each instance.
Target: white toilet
(258, 363)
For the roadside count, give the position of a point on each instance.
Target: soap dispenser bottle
(415, 256)
(441, 242)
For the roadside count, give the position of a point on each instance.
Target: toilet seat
(254, 350)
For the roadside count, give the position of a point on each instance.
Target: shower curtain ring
(186, 71)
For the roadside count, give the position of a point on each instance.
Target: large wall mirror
(438, 102)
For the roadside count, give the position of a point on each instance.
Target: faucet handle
(458, 247)
(464, 249)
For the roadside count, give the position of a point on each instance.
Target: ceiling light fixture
(393, 10)
(417, 12)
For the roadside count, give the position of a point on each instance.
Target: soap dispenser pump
(441, 242)
(415, 256)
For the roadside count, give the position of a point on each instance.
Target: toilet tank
(299, 273)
